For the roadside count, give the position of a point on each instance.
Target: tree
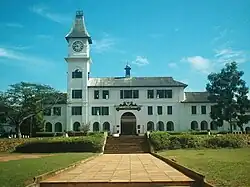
(25, 103)
(229, 92)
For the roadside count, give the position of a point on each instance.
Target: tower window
(76, 110)
(96, 94)
(105, 94)
(150, 94)
(76, 74)
(76, 94)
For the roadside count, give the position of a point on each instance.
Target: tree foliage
(24, 102)
(228, 91)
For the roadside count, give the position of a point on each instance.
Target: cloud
(220, 58)
(15, 25)
(172, 65)
(46, 13)
(141, 61)
(229, 55)
(16, 47)
(21, 59)
(222, 34)
(106, 43)
(200, 63)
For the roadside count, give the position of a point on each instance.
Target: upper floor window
(76, 74)
(129, 94)
(164, 94)
(159, 110)
(150, 94)
(76, 110)
(100, 110)
(150, 110)
(57, 111)
(47, 112)
(169, 110)
(76, 94)
(203, 109)
(105, 94)
(135, 94)
(193, 110)
(96, 94)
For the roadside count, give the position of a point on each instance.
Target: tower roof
(78, 30)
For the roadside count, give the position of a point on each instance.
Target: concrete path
(122, 168)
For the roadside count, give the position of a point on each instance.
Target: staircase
(126, 144)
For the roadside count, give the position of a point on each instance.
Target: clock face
(77, 46)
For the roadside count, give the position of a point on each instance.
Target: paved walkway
(122, 168)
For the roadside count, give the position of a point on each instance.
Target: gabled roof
(78, 29)
(196, 97)
(135, 82)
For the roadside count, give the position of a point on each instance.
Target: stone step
(115, 184)
(126, 144)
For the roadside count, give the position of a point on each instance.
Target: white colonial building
(126, 104)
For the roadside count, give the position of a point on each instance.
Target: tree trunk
(231, 127)
(18, 131)
(242, 129)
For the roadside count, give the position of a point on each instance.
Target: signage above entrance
(128, 106)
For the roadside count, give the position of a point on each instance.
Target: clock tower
(78, 61)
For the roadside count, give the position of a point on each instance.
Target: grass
(19, 173)
(221, 167)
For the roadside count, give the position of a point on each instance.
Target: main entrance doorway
(128, 124)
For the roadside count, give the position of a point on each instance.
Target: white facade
(78, 60)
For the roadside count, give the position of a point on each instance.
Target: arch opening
(76, 126)
(128, 124)
(58, 127)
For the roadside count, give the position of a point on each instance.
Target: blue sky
(183, 39)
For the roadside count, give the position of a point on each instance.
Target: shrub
(8, 145)
(90, 143)
(163, 140)
(160, 140)
(225, 141)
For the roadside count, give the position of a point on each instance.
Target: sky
(183, 39)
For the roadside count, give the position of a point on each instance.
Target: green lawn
(18, 173)
(221, 167)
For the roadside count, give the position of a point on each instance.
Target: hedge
(90, 143)
(164, 140)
